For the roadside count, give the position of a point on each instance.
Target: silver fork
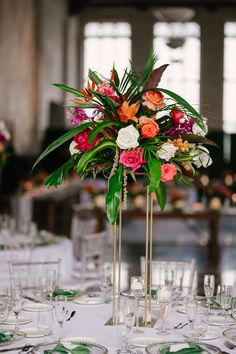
(229, 345)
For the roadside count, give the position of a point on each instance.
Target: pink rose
(132, 158)
(177, 116)
(168, 171)
(107, 90)
(82, 141)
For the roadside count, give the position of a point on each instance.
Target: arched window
(178, 44)
(106, 43)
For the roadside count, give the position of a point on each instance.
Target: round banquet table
(89, 321)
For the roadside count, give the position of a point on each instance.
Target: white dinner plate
(141, 341)
(208, 335)
(35, 307)
(21, 320)
(36, 332)
(219, 320)
(86, 300)
(175, 346)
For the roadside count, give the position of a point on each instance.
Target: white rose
(72, 148)
(201, 157)
(167, 151)
(127, 137)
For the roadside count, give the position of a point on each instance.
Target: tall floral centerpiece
(135, 128)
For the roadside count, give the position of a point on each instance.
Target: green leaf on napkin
(5, 336)
(80, 349)
(67, 293)
(192, 349)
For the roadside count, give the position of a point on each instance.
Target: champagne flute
(51, 281)
(191, 309)
(16, 305)
(225, 296)
(209, 287)
(61, 313)
(164, 296)
(137, 289)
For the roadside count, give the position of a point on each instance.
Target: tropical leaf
(94, 77)
(116, 77)
(155, 76)
(87, 157)
(62, 139)
(99, 127)
(154, 166)
(161, 195)
(113, 196)
(57, 177)
(69, 89)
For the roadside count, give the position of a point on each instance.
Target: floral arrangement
(4, 139)
(135, 128)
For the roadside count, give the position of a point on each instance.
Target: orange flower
(183, 146)
(149, 128)
(127, 112)
(153, 100)
(85, 91)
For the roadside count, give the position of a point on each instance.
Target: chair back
(27, 273)
(176, 273)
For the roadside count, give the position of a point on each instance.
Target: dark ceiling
(75, 6)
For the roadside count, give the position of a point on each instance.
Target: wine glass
(16, 305)
(106, 281)
(125, 321)
(61, 313)
(164, 296)
(191, 309)
(209, 287)
(137, 289)
(4, 308)
(224, 295)
(51, 281)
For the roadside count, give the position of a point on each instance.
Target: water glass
(224, 295)
(209, 288)
(106, 281)
(4, 308)
(191, 309)
(164, 299)
(137, 289)
(61, 313)
(16, 305)
(51, 281)
(125, 322)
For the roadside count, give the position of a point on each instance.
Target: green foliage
(161, 195)
(57, 177)
(113, 196)
(69, 89)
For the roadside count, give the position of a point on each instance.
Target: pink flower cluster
(132, 158)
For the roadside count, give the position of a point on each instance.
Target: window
(229, 107)
(106, 43)
(178, 44)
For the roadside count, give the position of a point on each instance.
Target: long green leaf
(93, 76)
(57, 177)
(197, 139)
(154, 166)
(88, 155)
(113, 195)
(161, 195)
(62, 139)
(69, 89)
(99, 127)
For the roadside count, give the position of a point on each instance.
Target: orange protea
(183, 146)
(128, 112)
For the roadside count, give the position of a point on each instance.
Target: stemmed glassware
(4, 308)
(209, 287)
(125, 321)
(164, 298)
(191, 309)
(106, 281)
(224, 297)
(16, 304)
(61, 313)
(137, 289)
(51, 281)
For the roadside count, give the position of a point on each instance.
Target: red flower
(82, 140)
(177, 116)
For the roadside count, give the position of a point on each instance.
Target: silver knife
(32, 299)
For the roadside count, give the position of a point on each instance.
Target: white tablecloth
(90, 319)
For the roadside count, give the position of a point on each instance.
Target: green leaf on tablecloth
(4, 336)
(192, 349)
(80, 349)
(67, 293)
